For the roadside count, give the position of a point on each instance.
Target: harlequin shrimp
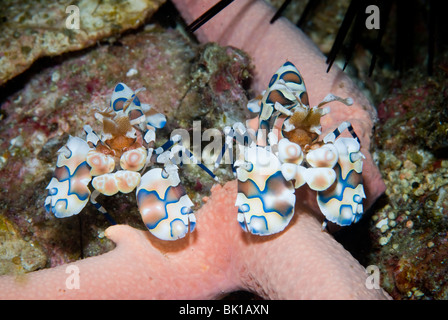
(125, 146)
(285, 154)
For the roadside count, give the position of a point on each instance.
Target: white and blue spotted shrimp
(284, 154)
(127, 144)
